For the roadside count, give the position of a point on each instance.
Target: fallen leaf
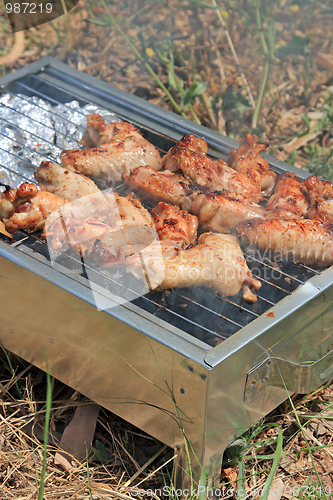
(276, 490)
(77, 437)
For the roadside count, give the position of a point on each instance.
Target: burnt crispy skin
(300, 240)
(288, 200)
(321, 199)
(221, 211)
(158, 186)
(171, 223)
(247, 159)
(212, 174)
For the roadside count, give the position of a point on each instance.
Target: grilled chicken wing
(132, 229)
(248, 160)
(217, 262)
(97, 132)
(110, 160)
(174, 224)
(321, 199)
(212, 174)
(61, 182)
(301, 240)
(189, 141)
(158, 186)
(288, 200)
(27, 208)
(221, 211)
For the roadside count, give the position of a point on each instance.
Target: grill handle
(296, 378)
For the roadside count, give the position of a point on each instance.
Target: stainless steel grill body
(146, 360)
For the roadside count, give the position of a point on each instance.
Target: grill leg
(206, 480)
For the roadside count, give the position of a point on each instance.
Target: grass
(257, 457)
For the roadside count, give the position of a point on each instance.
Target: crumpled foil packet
(32, 130)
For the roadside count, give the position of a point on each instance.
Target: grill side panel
(102, 357)
(302, 337)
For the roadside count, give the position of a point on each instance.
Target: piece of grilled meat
(158, 186)
(174, 224)
(221, 211)
(97, 132)
(321, 199)
(212, 174)
(62, 182)
(110, 160)
(247, 159)
(216, 262)
(288, 200)
(27, 208)
(301, 240)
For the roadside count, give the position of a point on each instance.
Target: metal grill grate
(197, 311)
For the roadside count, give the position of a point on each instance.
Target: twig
(143, 61)
(144, 467)
(234, 54)
(269, 55)
(16, 50)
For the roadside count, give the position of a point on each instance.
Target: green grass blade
(241, 486)
(46, 429)
(277, 456)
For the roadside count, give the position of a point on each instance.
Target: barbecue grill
(173, 362)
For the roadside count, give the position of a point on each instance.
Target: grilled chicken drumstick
(217, 262)
(27, 208)
(248, 160)
(158, 186)
(221, 211)
(288, 200)
(321, 199)
(300, 240)
(110, 160)
(61, 182)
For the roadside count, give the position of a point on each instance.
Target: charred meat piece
(110, 160)
(61, 182)
(221, 211)
(300, 240)
(217, 262)
(288, 200)
(27, 208)
(321, 199)
(212, 174)
(248, 160)
(174, 224)
(158, 186)
(189, 141)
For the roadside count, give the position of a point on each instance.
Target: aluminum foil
(32, 130)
